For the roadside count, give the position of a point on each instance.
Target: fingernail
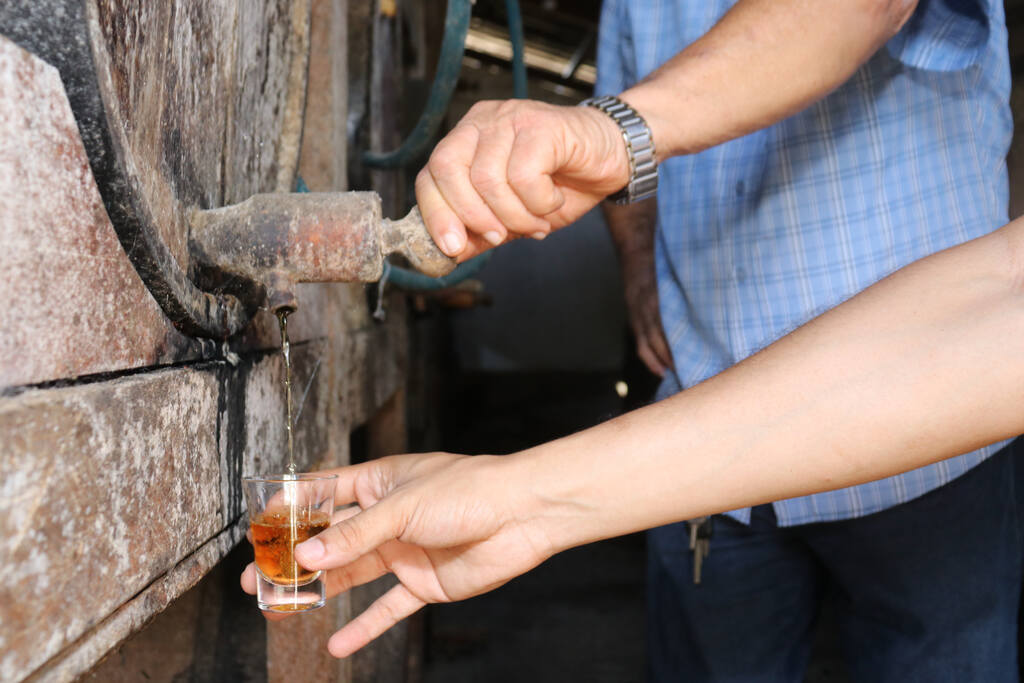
(494, 237)
(310, 551)
(539, 235)
(452, 244)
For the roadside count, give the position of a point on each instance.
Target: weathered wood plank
(323, 162)
(269, 78)
(106, 486)
(388, 658)
(205, 97)
(134, 614)
(297, 647)
(73, 304)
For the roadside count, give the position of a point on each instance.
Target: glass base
(272, 597)
(291, 607)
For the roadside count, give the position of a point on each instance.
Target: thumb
(351, 538)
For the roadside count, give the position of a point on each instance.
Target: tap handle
(409, 237)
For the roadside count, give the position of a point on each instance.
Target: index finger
(351, 538)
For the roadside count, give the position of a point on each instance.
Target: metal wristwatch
(643, 165)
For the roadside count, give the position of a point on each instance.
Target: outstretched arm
(926, 364)
(526, 168)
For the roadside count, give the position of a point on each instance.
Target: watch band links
(643, 164)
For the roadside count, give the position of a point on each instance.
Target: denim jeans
(926, 591)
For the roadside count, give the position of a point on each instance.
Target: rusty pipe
(277, 240)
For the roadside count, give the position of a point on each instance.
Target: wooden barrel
(182, 105)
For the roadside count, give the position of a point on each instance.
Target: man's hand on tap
(518, 168)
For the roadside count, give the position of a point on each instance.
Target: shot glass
(285, 510)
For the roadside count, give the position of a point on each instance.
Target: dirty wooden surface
(179, 437)
(73, 304)
(211, 633)
(297, 647)
(181, 105)
(105, 487)
(112, 491)
(203, 106)
(388, 658)
(69, 664)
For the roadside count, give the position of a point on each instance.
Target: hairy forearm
(924, 365)
(765, 60)
(632, 229)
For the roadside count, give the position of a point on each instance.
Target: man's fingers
(349, 479)
(530, 167)
(649, 357)
(274, 616)
(465, 201)
(476, 246)
(443, 225)
(660, 348)
(341, 514)
(653, 333)
(645, 321)
(395, 605)
(449, 169)
(350, 539)
(489, 174)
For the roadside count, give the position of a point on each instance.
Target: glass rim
(283, 478)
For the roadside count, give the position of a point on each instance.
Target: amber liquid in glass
(274, 539)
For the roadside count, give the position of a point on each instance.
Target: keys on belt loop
(700, 543)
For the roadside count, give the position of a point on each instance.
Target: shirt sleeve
(616, 68)
(945, 35)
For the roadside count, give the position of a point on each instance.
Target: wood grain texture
(73, 303)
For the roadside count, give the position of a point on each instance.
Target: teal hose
(518, 40)
(404, 278)
(453, 45)
(449, 64)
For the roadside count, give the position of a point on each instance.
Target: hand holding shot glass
(285, 510)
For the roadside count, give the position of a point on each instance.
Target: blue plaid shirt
(760, 234)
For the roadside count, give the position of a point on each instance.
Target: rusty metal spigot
(274, 241)
(280, 290)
